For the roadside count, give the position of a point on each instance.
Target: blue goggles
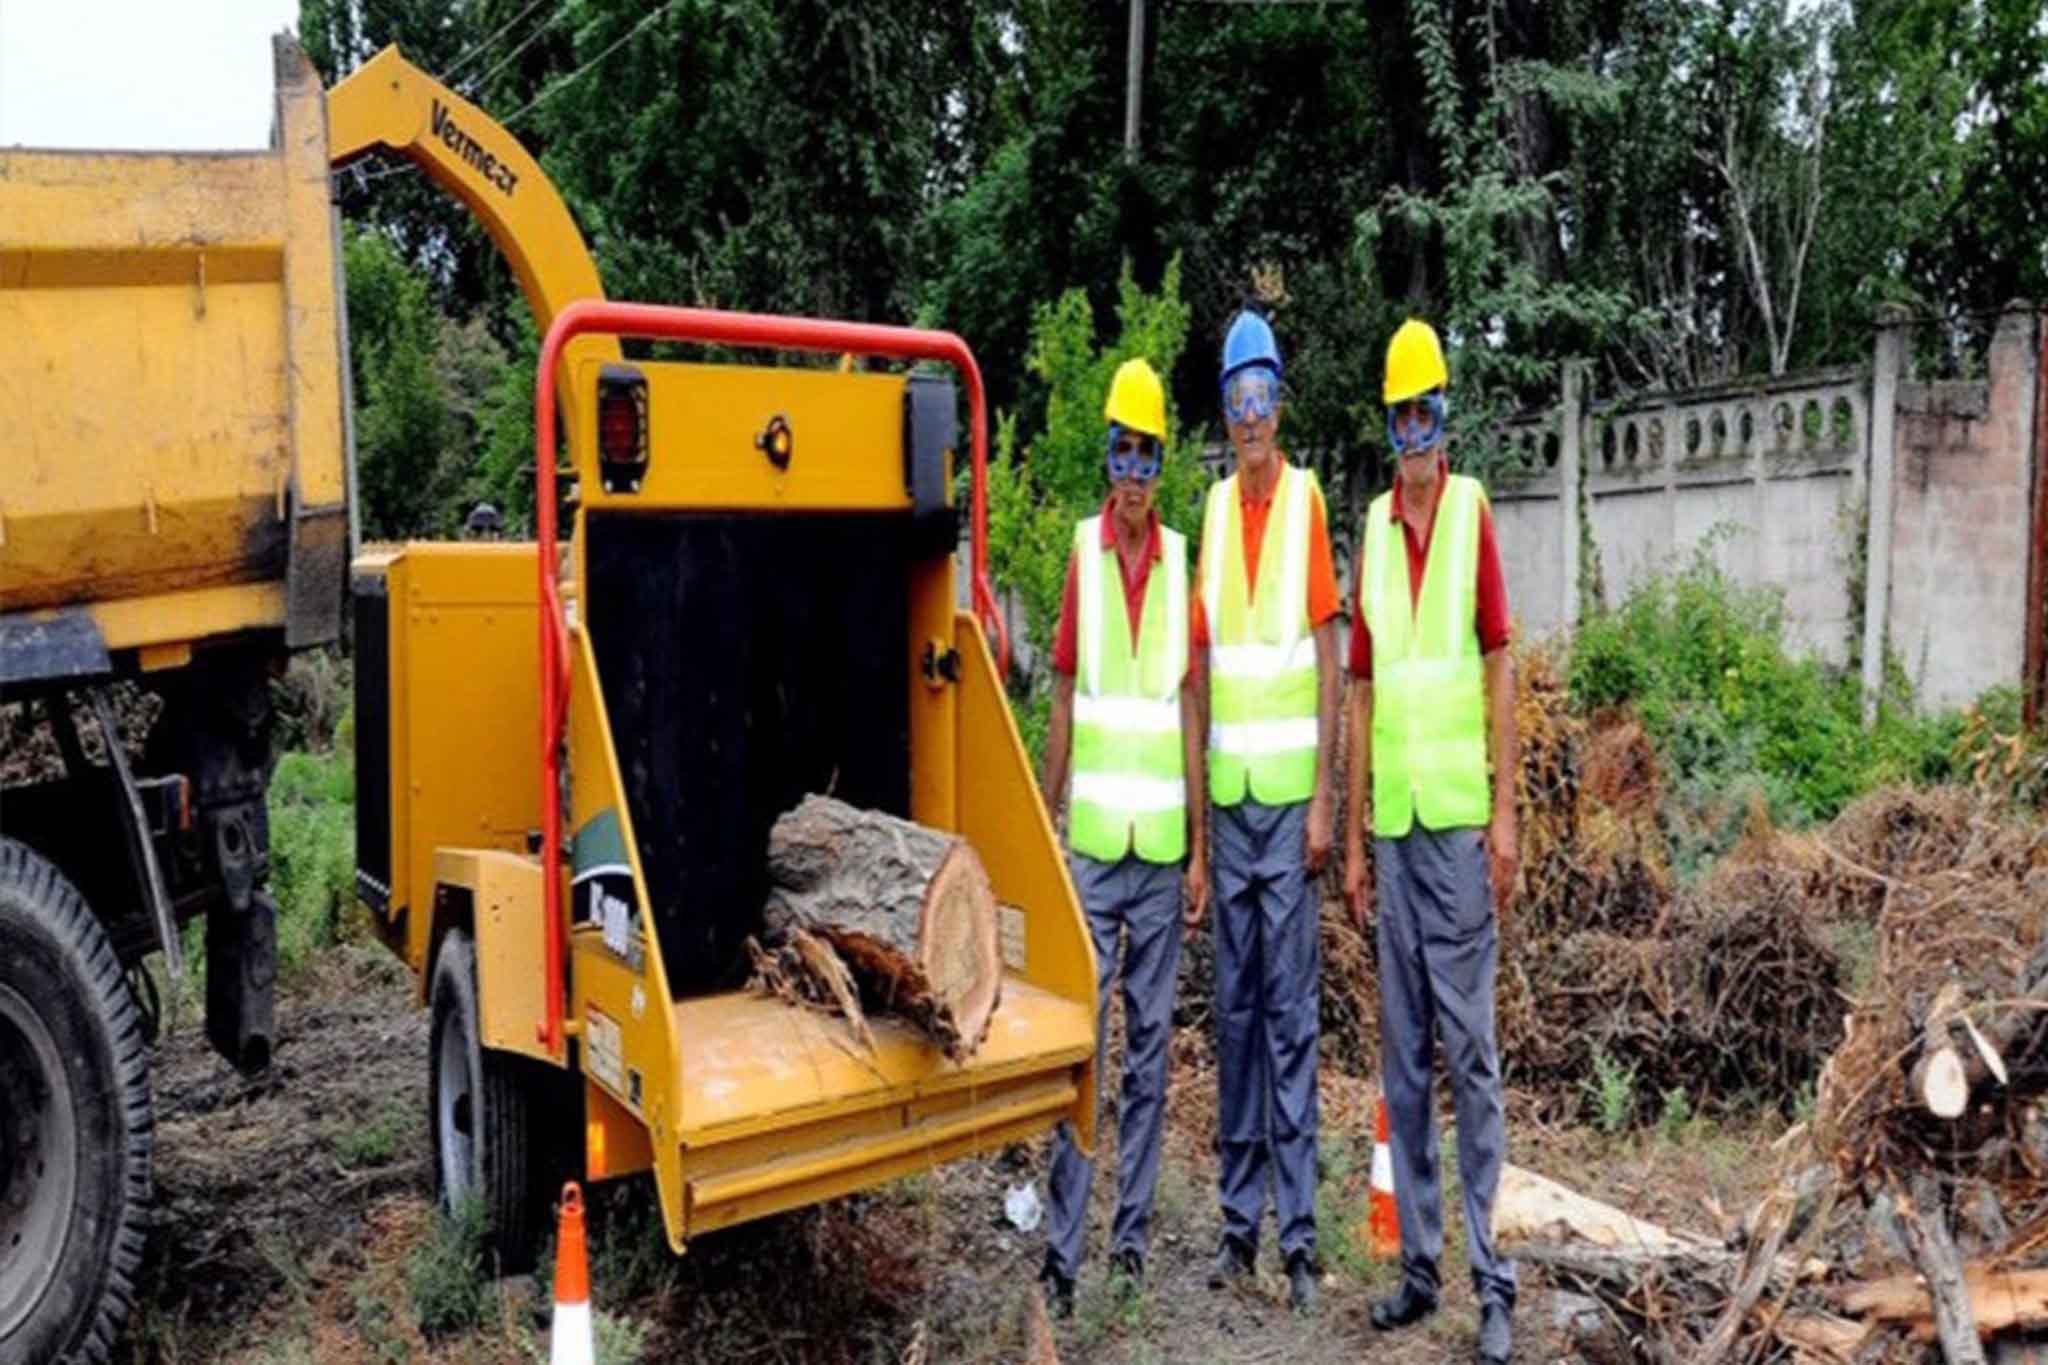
(1416, 424)
(1133, 455)
(1252, 394)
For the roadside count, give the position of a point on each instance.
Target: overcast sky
(138, 73)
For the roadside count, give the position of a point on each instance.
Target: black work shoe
(1233, 1264)
(1408, 1304)
(1495, 1342)
(1059, 1289)
(1301, 1282)
(1129, 1264)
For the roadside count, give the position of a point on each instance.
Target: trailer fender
(497, 896)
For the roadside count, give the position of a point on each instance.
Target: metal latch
(941, 663)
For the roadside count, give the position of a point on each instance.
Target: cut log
(907, 909)
(1999, 1300)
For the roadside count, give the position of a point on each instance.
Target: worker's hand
(1503, 856)
(1195, 901)
(1318, 837)
(1357, 882)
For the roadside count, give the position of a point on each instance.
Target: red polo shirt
(1066, 644)
(1490, 610)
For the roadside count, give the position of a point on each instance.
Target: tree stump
(908, 910)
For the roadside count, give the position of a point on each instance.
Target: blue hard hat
(1250, 342)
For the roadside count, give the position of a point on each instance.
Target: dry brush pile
(1913, 1209)
(1729, 990)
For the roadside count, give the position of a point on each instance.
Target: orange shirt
(1323, 600)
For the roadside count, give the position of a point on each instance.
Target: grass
(375, 1141)
(445, 1274)
(312, 851)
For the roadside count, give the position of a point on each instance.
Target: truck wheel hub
(38, 1159)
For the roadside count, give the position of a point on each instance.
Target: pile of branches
(1727, 990)
(1918, 1216)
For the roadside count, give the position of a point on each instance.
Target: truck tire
(75, 1125)
(485, 1116)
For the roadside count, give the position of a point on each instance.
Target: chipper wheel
(75, 1122)
(489, 1115)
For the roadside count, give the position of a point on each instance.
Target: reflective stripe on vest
(1130, 790)
(1262, 661)
(1428, 683)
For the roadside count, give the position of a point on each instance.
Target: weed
(312, 851)
(1612, 1089)
(444, 1274)
(373, 1142)
(1341, 1228)
(618, 1339)
(1675, 1116)
(377, 1327)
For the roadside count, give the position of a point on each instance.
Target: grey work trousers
(1139, 902)
(1439, 947)
(1268, 1009)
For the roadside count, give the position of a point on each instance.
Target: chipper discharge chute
(569, 756)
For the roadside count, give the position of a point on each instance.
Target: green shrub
(1041, 482)
(1735, 715)
(312, 850)
(1612, 1090)
(445, 1274)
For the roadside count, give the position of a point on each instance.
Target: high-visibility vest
(1130, 779)
(1262, 649)
(1428, 683)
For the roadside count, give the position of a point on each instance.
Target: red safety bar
(716, 328)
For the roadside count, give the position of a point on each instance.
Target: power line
(477, 85)
(477, 49)
(556, 87)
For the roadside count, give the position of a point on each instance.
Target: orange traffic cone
(572, 1343)
(1384, 1224)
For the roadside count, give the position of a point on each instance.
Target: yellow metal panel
(920, 1141)
(505, 904)
(703, 420)
(750, 1064)
(1002, 814)
(312, 272)
(183, 616)
(169, 350)
(636, 1001)
(464, 698)
(614, 1141)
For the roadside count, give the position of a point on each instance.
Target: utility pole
(1134, 79)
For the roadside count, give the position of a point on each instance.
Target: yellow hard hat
(1415, 362)
(1137, 400)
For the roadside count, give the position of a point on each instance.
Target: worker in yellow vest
(1124, 723)
(1431, 676)
(1266, 611)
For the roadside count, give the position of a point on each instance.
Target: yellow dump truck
(173, 510)
(567, 757)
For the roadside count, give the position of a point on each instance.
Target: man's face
(1251, 410)
(1134, 474)
(1416, 427)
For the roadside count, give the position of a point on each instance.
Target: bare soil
(289, 1204)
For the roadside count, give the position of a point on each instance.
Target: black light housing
(622, 445)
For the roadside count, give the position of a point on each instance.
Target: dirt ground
(289, 1205)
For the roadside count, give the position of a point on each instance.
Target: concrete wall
(1780, 480)
(1960, 522)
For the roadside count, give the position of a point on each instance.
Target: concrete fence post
(1882, 456)
(1568, 488)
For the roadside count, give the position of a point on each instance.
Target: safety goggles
(1251, 395)
(1133, 455)
(1416, 424)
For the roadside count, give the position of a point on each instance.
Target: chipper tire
(486, 1114)
(75, 1125)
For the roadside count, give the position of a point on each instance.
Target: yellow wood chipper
(568, 758)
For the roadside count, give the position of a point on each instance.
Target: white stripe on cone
(573, 1343)
(1382, 1169)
